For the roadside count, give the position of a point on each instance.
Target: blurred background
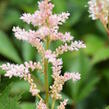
(91, 92)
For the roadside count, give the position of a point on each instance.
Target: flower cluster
(63, 104)
(99, 9)
(47, 23)
(75, 45)
(48, 31)
(30, 36)
(59, 80)
(23, 71)
(41, 105)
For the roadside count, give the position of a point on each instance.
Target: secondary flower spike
(23, 71)
(41, 105)
(47, 31)
(99, 9)
(63, 104)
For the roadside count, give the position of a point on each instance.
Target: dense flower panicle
(60, 36)
(57, 87)
(22, 71)
(35, 19)
(99, 9)
(43, 14)
(41, 105)
(63, 17)
(33, 88)
(31, 36)
(39, 17)
(62, 104)
(73, 76)
(26, 17)
(55, 20)
(14, 70)
(48, 31)
(33, 65)
(57, 66)
(59, 80)
(50, 56)
(47, 22)
(43, 32)
(38, 44)
(93, 9)
(76, 45)
(20, 34)
(57, 63)
(67, 37)
(46, 7)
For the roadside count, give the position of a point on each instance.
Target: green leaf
(107, 107)
(3, 5)
(28, 51)
(106, 73)
(21, 2)
(101, 55)
(101, 28)
(19, 86)
(1, 71)
(27, 105)
(74, 18)
(60, 5)
(7, 49)
(93, 43)
(87, 89)
(7, 102)
(79, 3)
(9, 20)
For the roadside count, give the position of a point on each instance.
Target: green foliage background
(91, 92)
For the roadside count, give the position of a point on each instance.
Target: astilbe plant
(99, 9)
(47, 32)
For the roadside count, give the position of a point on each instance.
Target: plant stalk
(53, 104)
(46, 80)
(46, 74)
